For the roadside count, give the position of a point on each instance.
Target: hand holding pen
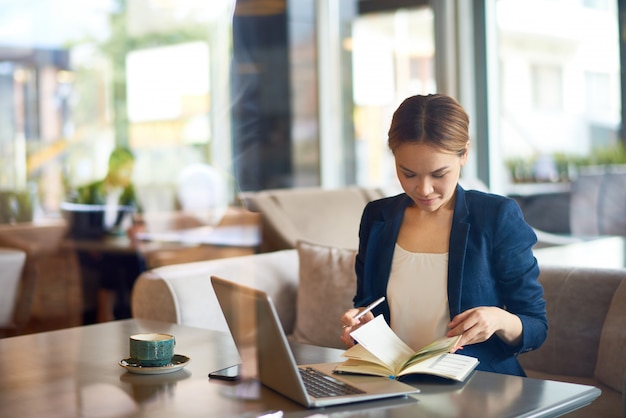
(350, 316)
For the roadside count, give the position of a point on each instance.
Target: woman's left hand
(479, 324)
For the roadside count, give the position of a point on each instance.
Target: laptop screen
(239, 308)
(258, 335)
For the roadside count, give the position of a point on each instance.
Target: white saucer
(177, 363)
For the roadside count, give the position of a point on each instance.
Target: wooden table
(75, 372)
(175, 238)
(170, 238)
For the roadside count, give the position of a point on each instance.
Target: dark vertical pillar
(261, 100)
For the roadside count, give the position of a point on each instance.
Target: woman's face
(428, 174)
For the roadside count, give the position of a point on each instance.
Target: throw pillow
(325, 291)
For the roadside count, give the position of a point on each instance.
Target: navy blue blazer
(490, 263)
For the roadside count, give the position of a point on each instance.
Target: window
(598, 93)
(76, 81)
(393, 58)
(547, 87)
(559, 83)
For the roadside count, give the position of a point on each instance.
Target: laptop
(252, 319)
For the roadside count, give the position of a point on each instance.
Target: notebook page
(382, 342)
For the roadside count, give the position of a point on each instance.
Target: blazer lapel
(383, 236)
(456, 253)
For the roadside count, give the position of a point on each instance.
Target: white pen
(370, 307)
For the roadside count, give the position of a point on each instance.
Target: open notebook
(251, 315)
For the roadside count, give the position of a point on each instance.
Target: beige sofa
(586, 310)
(316, 214)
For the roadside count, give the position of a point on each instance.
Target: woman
(449, 261)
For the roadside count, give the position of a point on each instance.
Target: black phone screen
(228, 373)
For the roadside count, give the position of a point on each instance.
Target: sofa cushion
(611, 366)
(577, 302)
(325, 291)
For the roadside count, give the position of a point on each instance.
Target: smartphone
(229, 373)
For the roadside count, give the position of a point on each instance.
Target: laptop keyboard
(320, 385)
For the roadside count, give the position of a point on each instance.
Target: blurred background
(296, 93)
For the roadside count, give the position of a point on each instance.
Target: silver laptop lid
(244, 308)
(252, 318)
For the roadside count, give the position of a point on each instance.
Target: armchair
(324, 216)
(598, 201)
(34, 240)
(11, 266)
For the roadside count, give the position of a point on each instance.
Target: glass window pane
(392, 58)
(559, 84)
(151, 75)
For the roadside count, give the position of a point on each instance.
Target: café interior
(255, 124)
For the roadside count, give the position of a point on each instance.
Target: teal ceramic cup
(152, 349)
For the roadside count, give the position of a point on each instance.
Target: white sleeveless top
(417, 294)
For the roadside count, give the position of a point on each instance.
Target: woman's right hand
(349, 324)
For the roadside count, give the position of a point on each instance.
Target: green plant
(523, 169)
(608, 155)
